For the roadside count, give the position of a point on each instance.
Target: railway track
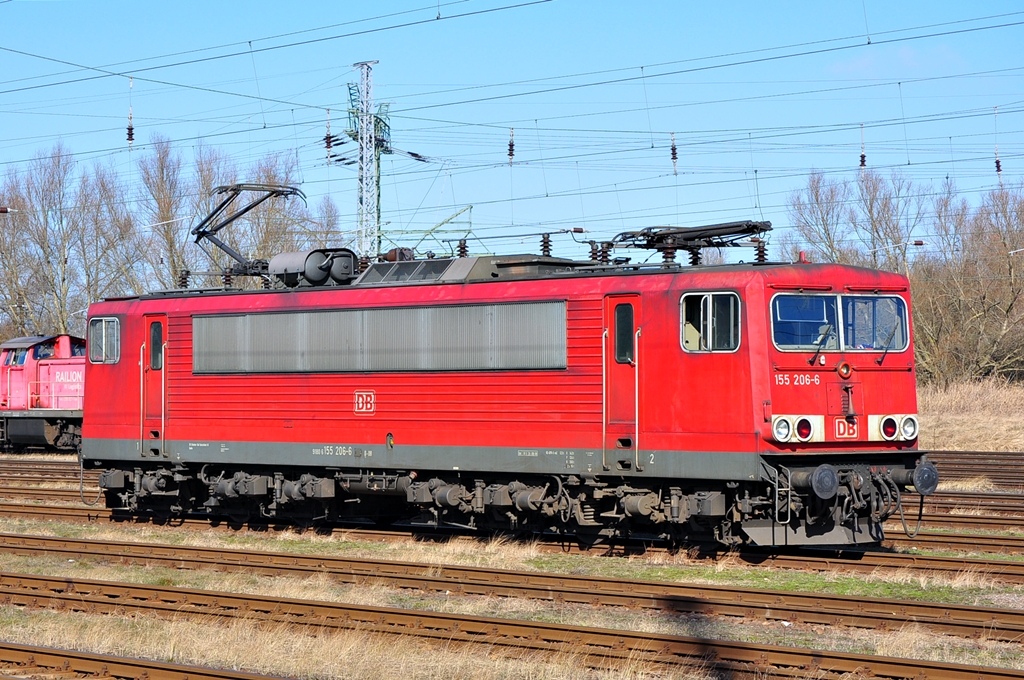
(24, 661)
(1003, 468)
(811, 608)
(1011, 507)
(849, 561)
(606, 648)
(38, 493)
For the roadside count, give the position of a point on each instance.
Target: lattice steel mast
(367, 242)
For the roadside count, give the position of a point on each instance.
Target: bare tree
(21, 304)
(885, 217)
(52, 223)
(163, 205)
(820, 215)
(108, 248)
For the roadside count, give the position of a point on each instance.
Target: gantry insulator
(545, 245)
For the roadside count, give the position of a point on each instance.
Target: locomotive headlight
(782, 430)
(888, 428)
(908, 428)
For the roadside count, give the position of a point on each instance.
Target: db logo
(364, 402)
(846, 429)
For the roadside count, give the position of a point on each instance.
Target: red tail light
(803, 428)
(889, 427)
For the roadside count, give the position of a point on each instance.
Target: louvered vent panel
(514, 336)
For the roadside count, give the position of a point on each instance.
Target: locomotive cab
(841, 389)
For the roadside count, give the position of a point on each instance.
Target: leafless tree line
(967, 282)
(80, 233)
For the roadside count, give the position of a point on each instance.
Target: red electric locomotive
(41, 393)
(771, 404)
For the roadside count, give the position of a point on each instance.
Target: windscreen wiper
(825, 331)
(888, 343)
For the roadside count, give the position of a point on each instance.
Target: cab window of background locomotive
(624, 333)
(19, 356)
(799, 322)
(874, 323)
(43, 350)
(156, 345)
(78, 348)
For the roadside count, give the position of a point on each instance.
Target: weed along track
(852, 561)
(601, 648)
(24, 661)
(874, 613)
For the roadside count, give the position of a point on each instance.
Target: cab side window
(710, 322)
(44, 350)
(104, 340)
(624, 333)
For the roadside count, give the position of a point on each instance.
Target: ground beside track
(968, 589)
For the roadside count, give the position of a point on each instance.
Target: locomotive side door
(154, 385)
(622, 333)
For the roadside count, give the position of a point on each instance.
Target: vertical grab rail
(604, 398)
(142, 399)
(636, 400)
(163, 397)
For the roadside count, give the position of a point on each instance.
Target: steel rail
(852, 561)
(38, 493)
(932, 521)
(1004, 544)
(607, 648)
(24, 661)
(812, 608)
(999, 544)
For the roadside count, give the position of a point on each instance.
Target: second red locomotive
(42, 389)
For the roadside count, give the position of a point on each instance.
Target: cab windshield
(828, 323)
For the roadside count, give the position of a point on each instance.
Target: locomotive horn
(823, 480)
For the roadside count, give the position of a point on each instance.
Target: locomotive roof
(483, 269)
(26, 341)
(32, 340)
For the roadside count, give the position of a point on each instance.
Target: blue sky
(594, 91)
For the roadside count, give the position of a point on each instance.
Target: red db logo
(846, 429)
(364, 402)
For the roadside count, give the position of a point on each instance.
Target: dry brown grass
(279, 651)
(986, 415)
(968, 484)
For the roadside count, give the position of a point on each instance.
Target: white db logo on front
(846, 429)
(364, 402)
